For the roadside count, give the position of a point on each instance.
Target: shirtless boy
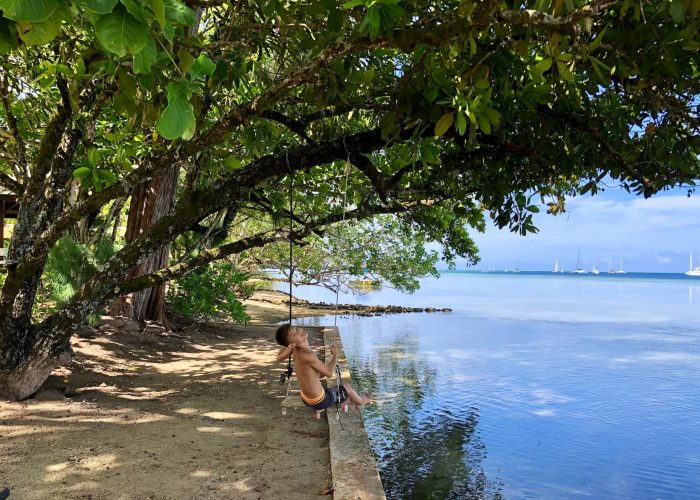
(310, 369)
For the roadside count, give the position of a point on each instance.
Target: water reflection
(423, 450)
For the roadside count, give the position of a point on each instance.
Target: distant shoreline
(272, 306)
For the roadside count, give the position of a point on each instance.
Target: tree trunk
(149, 202)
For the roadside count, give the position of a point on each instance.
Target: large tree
(443, 112)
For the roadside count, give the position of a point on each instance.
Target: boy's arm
(285, 353)
(312, 360)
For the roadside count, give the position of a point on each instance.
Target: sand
(156, 415)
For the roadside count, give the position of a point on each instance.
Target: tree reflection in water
(425, 447)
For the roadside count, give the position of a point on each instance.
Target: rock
(70, 392)
(49, 395)
(86, 332)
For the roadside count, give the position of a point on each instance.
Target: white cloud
(654, 235)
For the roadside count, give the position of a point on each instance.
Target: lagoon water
(534, 386)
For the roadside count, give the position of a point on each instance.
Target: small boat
(693, 271)
(618, 271)
(556, 267)
(595, 269)
(578, 269)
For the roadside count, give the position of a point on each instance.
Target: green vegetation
(210, 291)
(435, 116)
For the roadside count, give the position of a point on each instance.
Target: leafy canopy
(437, 113)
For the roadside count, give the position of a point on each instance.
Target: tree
(445, 111)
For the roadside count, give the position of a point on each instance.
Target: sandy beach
(152, 414)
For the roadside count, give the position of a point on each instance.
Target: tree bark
(149, 203)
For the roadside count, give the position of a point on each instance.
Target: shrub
(68, 266)
(210, 291)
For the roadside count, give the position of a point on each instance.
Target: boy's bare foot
(366, 399)
(317, 414)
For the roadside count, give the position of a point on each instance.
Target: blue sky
(654, 235)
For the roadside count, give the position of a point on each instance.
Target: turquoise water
(535, 386)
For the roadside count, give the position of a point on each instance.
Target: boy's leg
(317, 414)
(359, 401)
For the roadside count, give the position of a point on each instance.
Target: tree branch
(11, 184)
(583, 126)
(21, 171)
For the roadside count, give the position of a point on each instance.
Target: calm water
(535, 386)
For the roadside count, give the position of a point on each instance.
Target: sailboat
(556, 266)
(578, 269)
(693, 271)
(619, 271)
(595, 269)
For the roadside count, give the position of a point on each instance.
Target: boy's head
(283, 333)
(288, 334)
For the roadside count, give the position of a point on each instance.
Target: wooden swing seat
(293, 400)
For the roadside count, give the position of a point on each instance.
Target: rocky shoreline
(357, 309)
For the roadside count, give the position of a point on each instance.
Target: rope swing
(287, 374)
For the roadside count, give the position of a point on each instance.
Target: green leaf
(203, 66)
(461, 123)
(98, 6)
(564, 72)
(493, 116)
(106, 175)
(353, 3)
(543, 65)
(93, 156)
(8, 35)
(484, 124)
(677, 10)
(41, 32)
(158, 9)
(178, 118)
(32, 11)
(119, 32)
(144, 59)
(444, 123)
(232, 162)
(482, 83)
(134, 9)
(432, 94)
(81, 172)
(185, 60)
(179, 13)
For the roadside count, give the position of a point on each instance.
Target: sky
(653, 235)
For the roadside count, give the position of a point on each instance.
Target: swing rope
(340, 389)
(287, 374)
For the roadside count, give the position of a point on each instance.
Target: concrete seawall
(354, 469)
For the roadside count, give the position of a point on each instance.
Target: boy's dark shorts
(331, 398)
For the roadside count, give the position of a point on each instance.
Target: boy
(310, 369)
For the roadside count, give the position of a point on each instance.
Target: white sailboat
(619, 271)
(556, 266)
(693, 271)
(595, 269)
(578, 269)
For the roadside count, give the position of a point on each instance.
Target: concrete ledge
(354, 469)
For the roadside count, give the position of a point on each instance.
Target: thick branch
(256, 241)
(11, 184)
(560, 24)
